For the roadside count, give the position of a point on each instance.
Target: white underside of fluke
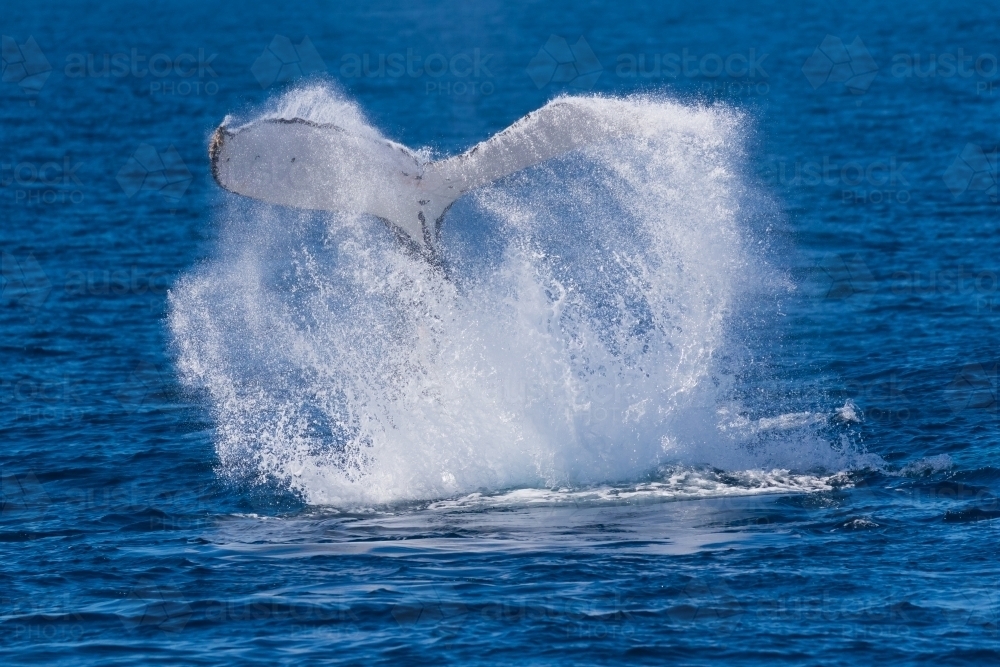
(304, 164)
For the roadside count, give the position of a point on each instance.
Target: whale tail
(320, 166)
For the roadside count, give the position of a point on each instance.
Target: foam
(672, 484)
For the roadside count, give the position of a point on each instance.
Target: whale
(304, 164)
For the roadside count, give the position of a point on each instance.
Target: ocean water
(724, 391)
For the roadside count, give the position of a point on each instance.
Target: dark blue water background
(121, 543)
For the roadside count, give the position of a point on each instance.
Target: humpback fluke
(303, 164)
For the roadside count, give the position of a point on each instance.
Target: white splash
(573, 337)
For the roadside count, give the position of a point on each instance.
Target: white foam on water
(674, 483)
(575, 336)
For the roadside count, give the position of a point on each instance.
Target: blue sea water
(762, 428)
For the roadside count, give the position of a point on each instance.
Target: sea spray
(571, 335)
